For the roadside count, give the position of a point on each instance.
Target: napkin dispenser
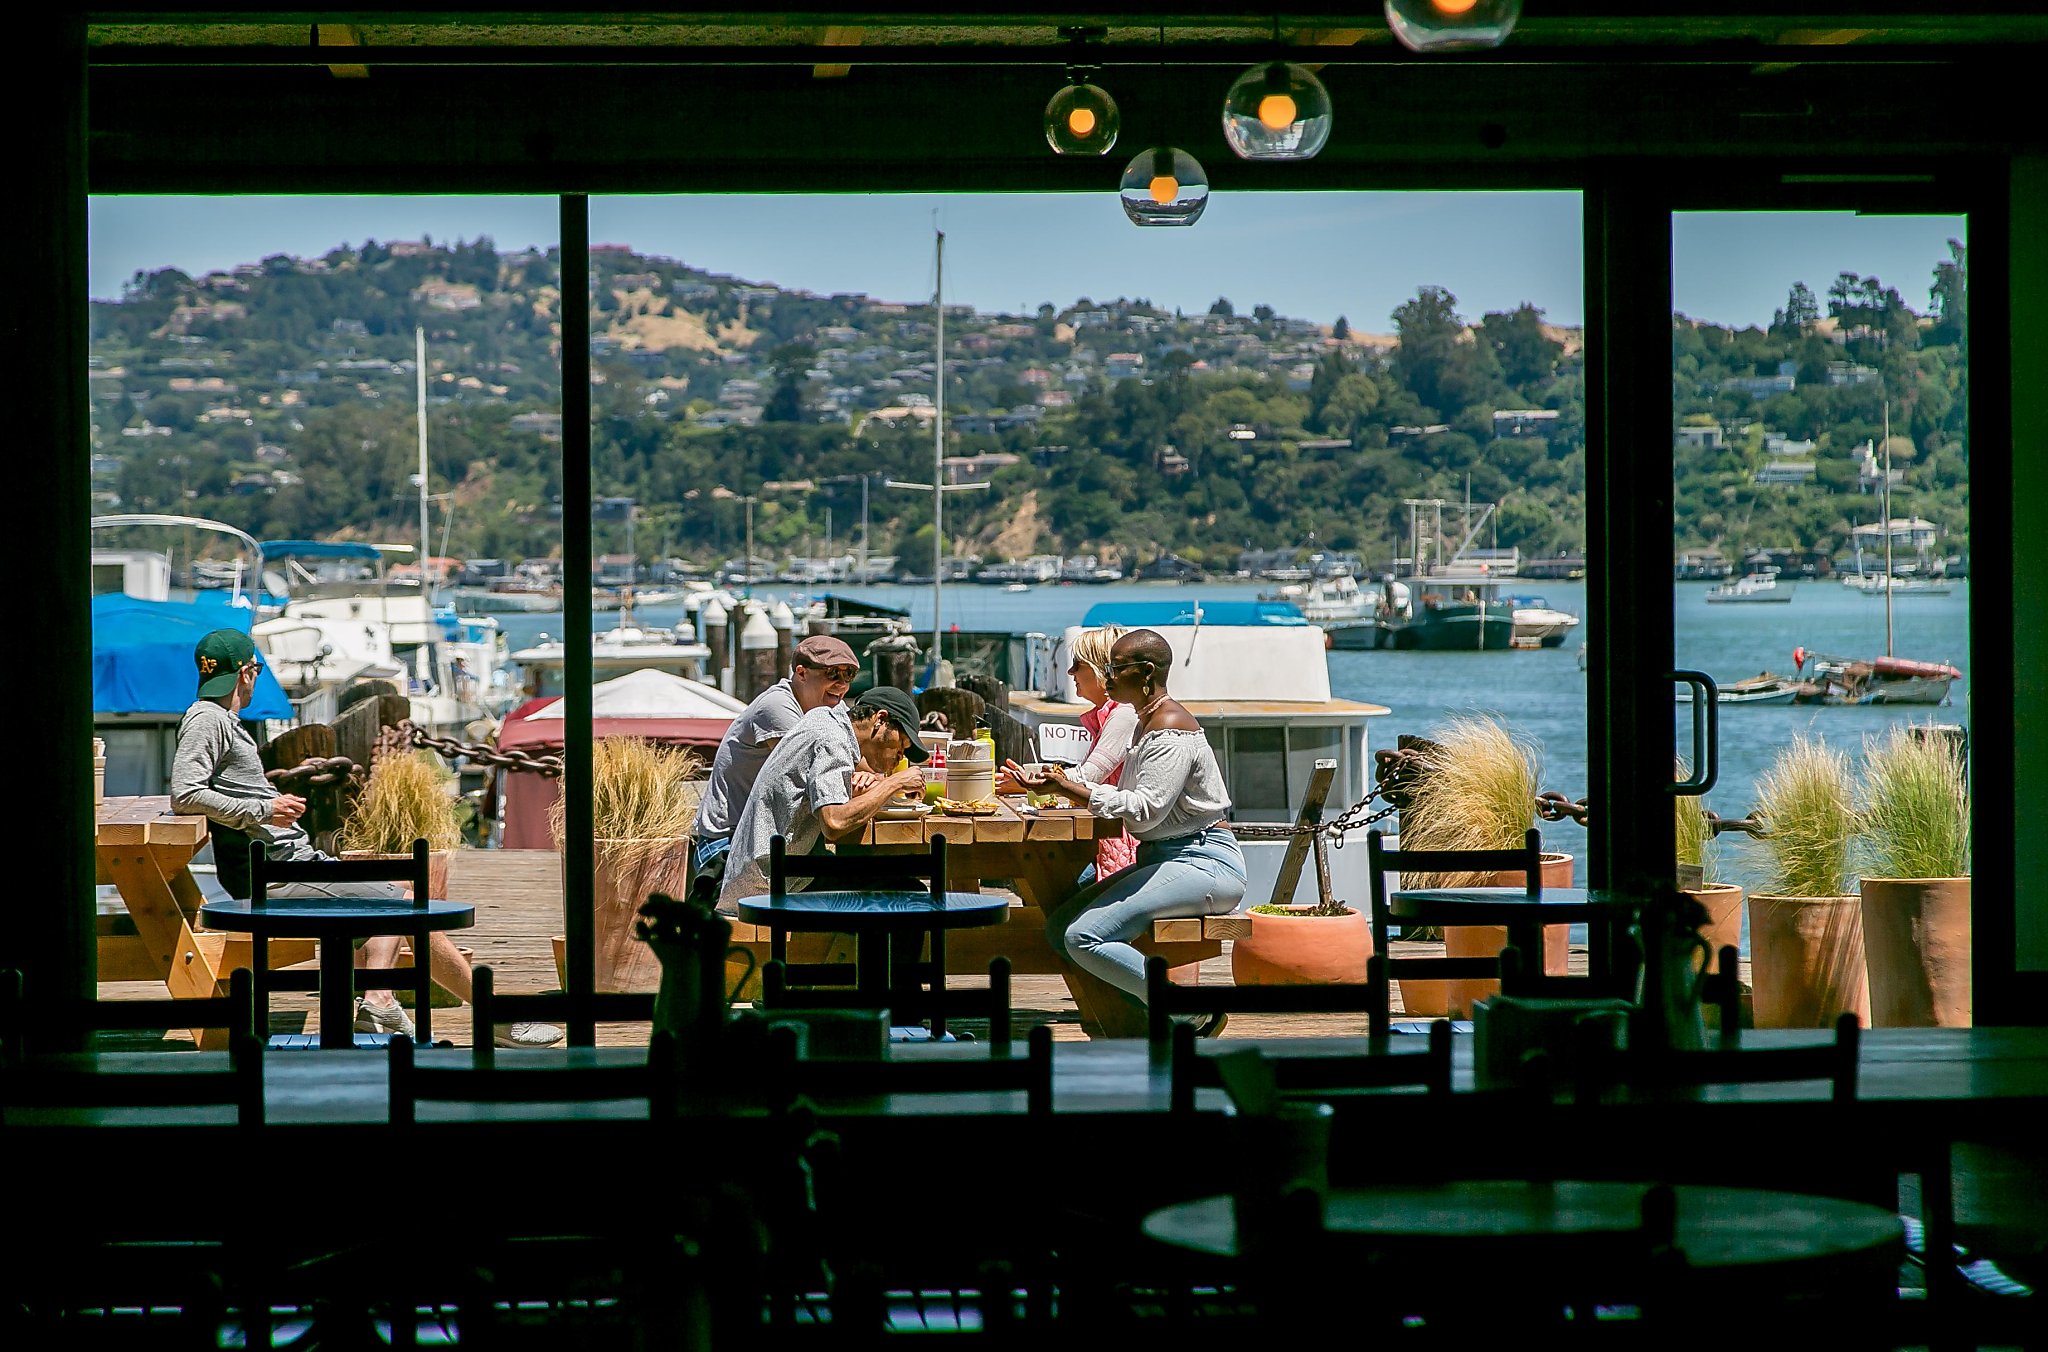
(1517, 1040)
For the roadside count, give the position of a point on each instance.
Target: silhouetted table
(876, 919)
(336, 923)
(1523, 915)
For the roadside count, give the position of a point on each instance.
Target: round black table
(1523, 915)
(337, 922)
(874, 919)
(1733, 1230)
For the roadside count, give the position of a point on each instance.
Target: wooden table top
(145, 821)
(1724, 1228)
(1011, 824)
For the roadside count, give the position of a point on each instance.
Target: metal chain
(317, 772)
(480, 754)
(1398, 770)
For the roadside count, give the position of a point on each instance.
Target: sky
(1312, 255)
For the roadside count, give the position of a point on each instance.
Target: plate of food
(902, 806)
(980, 807)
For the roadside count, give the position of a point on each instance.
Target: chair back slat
(1835, 1062)
(265, 872)
(1295, 1076)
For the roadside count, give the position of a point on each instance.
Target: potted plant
(1292, 944)
(643, 804)
(409, 796)
(1916, 889)
(1723, 900)
(1477, 791)
(1806, 925)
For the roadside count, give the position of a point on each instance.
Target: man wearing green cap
(217, 773)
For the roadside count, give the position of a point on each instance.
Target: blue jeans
(1201, 874)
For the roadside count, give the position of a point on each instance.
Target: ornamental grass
(1809, 819)
(643, 795)
(407, 797)
(1477, 791)
(1694, 833)
(1916, 818)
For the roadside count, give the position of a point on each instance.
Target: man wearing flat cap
(805, 791)
(822, 670)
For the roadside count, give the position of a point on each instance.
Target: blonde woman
(1111, 724)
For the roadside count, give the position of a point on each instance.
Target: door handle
(1706, 734)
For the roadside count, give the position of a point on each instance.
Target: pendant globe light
(1277, 111)
(1452, 25)
(1081, 119)
(1164, 186)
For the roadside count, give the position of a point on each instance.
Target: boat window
(1306, 746)
(1258, 775)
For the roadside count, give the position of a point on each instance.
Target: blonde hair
(1092, 646)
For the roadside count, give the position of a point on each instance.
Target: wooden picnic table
(144, 850)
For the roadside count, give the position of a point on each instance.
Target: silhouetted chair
(861, 872)
(75, 1257)
(265, 873)
(1320, 1075)
(1165, 998)
(1528, 861)
(1604, 1070)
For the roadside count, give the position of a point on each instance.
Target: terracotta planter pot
(437, 868)
(1724, 918)
(1300, 949)
(1455, 998)
(627, 872)
(1916, 943)
(1806, 960)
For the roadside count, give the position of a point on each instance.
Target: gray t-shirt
(741, 754)
(217, 773)
(810, 768)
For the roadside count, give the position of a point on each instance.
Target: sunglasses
(841, 674)
(1132, 665)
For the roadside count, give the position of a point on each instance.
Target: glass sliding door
(1821, 557)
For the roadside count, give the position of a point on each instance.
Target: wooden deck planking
(518, 897)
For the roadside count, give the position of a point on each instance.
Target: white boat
(1538, 624)
(1749, 589)
(1334, 597)
(1877, 584)
(1257, 678)
(1760, 689)
(614, 652)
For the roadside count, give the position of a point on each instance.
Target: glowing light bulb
(1452, 25)
(1276, 112)
(1081, 121)
(1454, 6)
(1164, 188)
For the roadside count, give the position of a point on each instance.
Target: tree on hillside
(1341, 330)
(1426, 338)
(1527, 355)
(786, 400)
(1951, 297)
(1223, 308)
(1801, 312)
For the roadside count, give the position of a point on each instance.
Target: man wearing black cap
(822, 670)
(805, 791)
(217, 773)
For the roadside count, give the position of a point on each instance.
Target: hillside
(279, 397)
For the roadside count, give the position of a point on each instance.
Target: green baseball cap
(221, 655)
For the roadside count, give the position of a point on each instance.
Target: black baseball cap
(895, 706)
(220, 656)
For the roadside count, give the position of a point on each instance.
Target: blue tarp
(142, 656)
(319, 549)
(1152, 614)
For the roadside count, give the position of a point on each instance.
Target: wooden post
(1011, 739)
(895, 658)
(1312, 800)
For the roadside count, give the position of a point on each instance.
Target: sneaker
(525, 1035)
(390, 1018)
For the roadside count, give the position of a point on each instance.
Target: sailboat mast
(1887, 527)
(938, 440)
(419, 335)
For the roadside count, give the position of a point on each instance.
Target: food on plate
(980, 807)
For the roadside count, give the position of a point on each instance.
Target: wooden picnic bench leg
(152, 893)
(1044, 877)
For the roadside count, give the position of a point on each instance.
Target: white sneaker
(390, 1018)
(525, 1035)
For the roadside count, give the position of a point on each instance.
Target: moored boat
(1752, 588)
(1877, 680)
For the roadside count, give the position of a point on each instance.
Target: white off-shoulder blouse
(1171, 786)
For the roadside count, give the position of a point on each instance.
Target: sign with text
(1063, 743)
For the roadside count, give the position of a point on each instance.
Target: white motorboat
(1877, 584)
(1753, 587)
(1538, 624)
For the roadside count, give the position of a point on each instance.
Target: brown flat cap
(823, 650)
